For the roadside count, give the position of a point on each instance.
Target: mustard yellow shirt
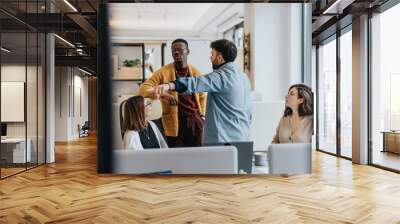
(164, 75)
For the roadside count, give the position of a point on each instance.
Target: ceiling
(175, 16)
(135, 20)
(73, 20)
(163, 21)
(333, 15)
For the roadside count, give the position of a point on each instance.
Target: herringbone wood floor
(70, 191)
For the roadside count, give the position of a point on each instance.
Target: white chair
(117, 137)
(294, 158)
(265, 118)
(193, 160)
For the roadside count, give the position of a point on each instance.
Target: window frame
(334, 37)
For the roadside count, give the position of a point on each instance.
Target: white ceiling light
(70, 5)
(337, 7)
(65, 41)
(79, 51)
(5, 50)
(84, 71)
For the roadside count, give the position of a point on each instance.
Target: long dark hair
(307, 107)
(134, 118)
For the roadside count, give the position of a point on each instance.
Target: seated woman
(139, 132)
(296, 125)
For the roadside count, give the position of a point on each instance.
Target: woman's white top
(132, 139)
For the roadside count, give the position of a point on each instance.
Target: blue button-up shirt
(228, 111)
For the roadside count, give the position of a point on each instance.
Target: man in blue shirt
(228, 110)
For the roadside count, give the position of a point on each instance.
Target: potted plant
(131, 69)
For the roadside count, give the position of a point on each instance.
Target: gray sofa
(193, 160)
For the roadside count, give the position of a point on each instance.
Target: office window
(385, 88)
(153, 58)
(327, 96)
(235, 34)
(346, 94)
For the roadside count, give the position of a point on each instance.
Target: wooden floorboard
(71, 191)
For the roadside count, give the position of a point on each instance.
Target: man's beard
(214, 65)
(178, 64)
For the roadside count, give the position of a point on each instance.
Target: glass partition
(14, 144)
(22, 89)
(327, 96)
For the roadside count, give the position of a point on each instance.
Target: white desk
(17, 146)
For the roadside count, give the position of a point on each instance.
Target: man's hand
(159, 90)
(169, 99)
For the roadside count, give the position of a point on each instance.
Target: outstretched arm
(216, 81)
(154, 80)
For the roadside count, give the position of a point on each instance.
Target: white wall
(275, 33)
(120, 88)
(70, 83)
(62, 81)
(199, 56)
(79, 117)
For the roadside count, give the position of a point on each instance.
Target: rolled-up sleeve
(215, 81)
